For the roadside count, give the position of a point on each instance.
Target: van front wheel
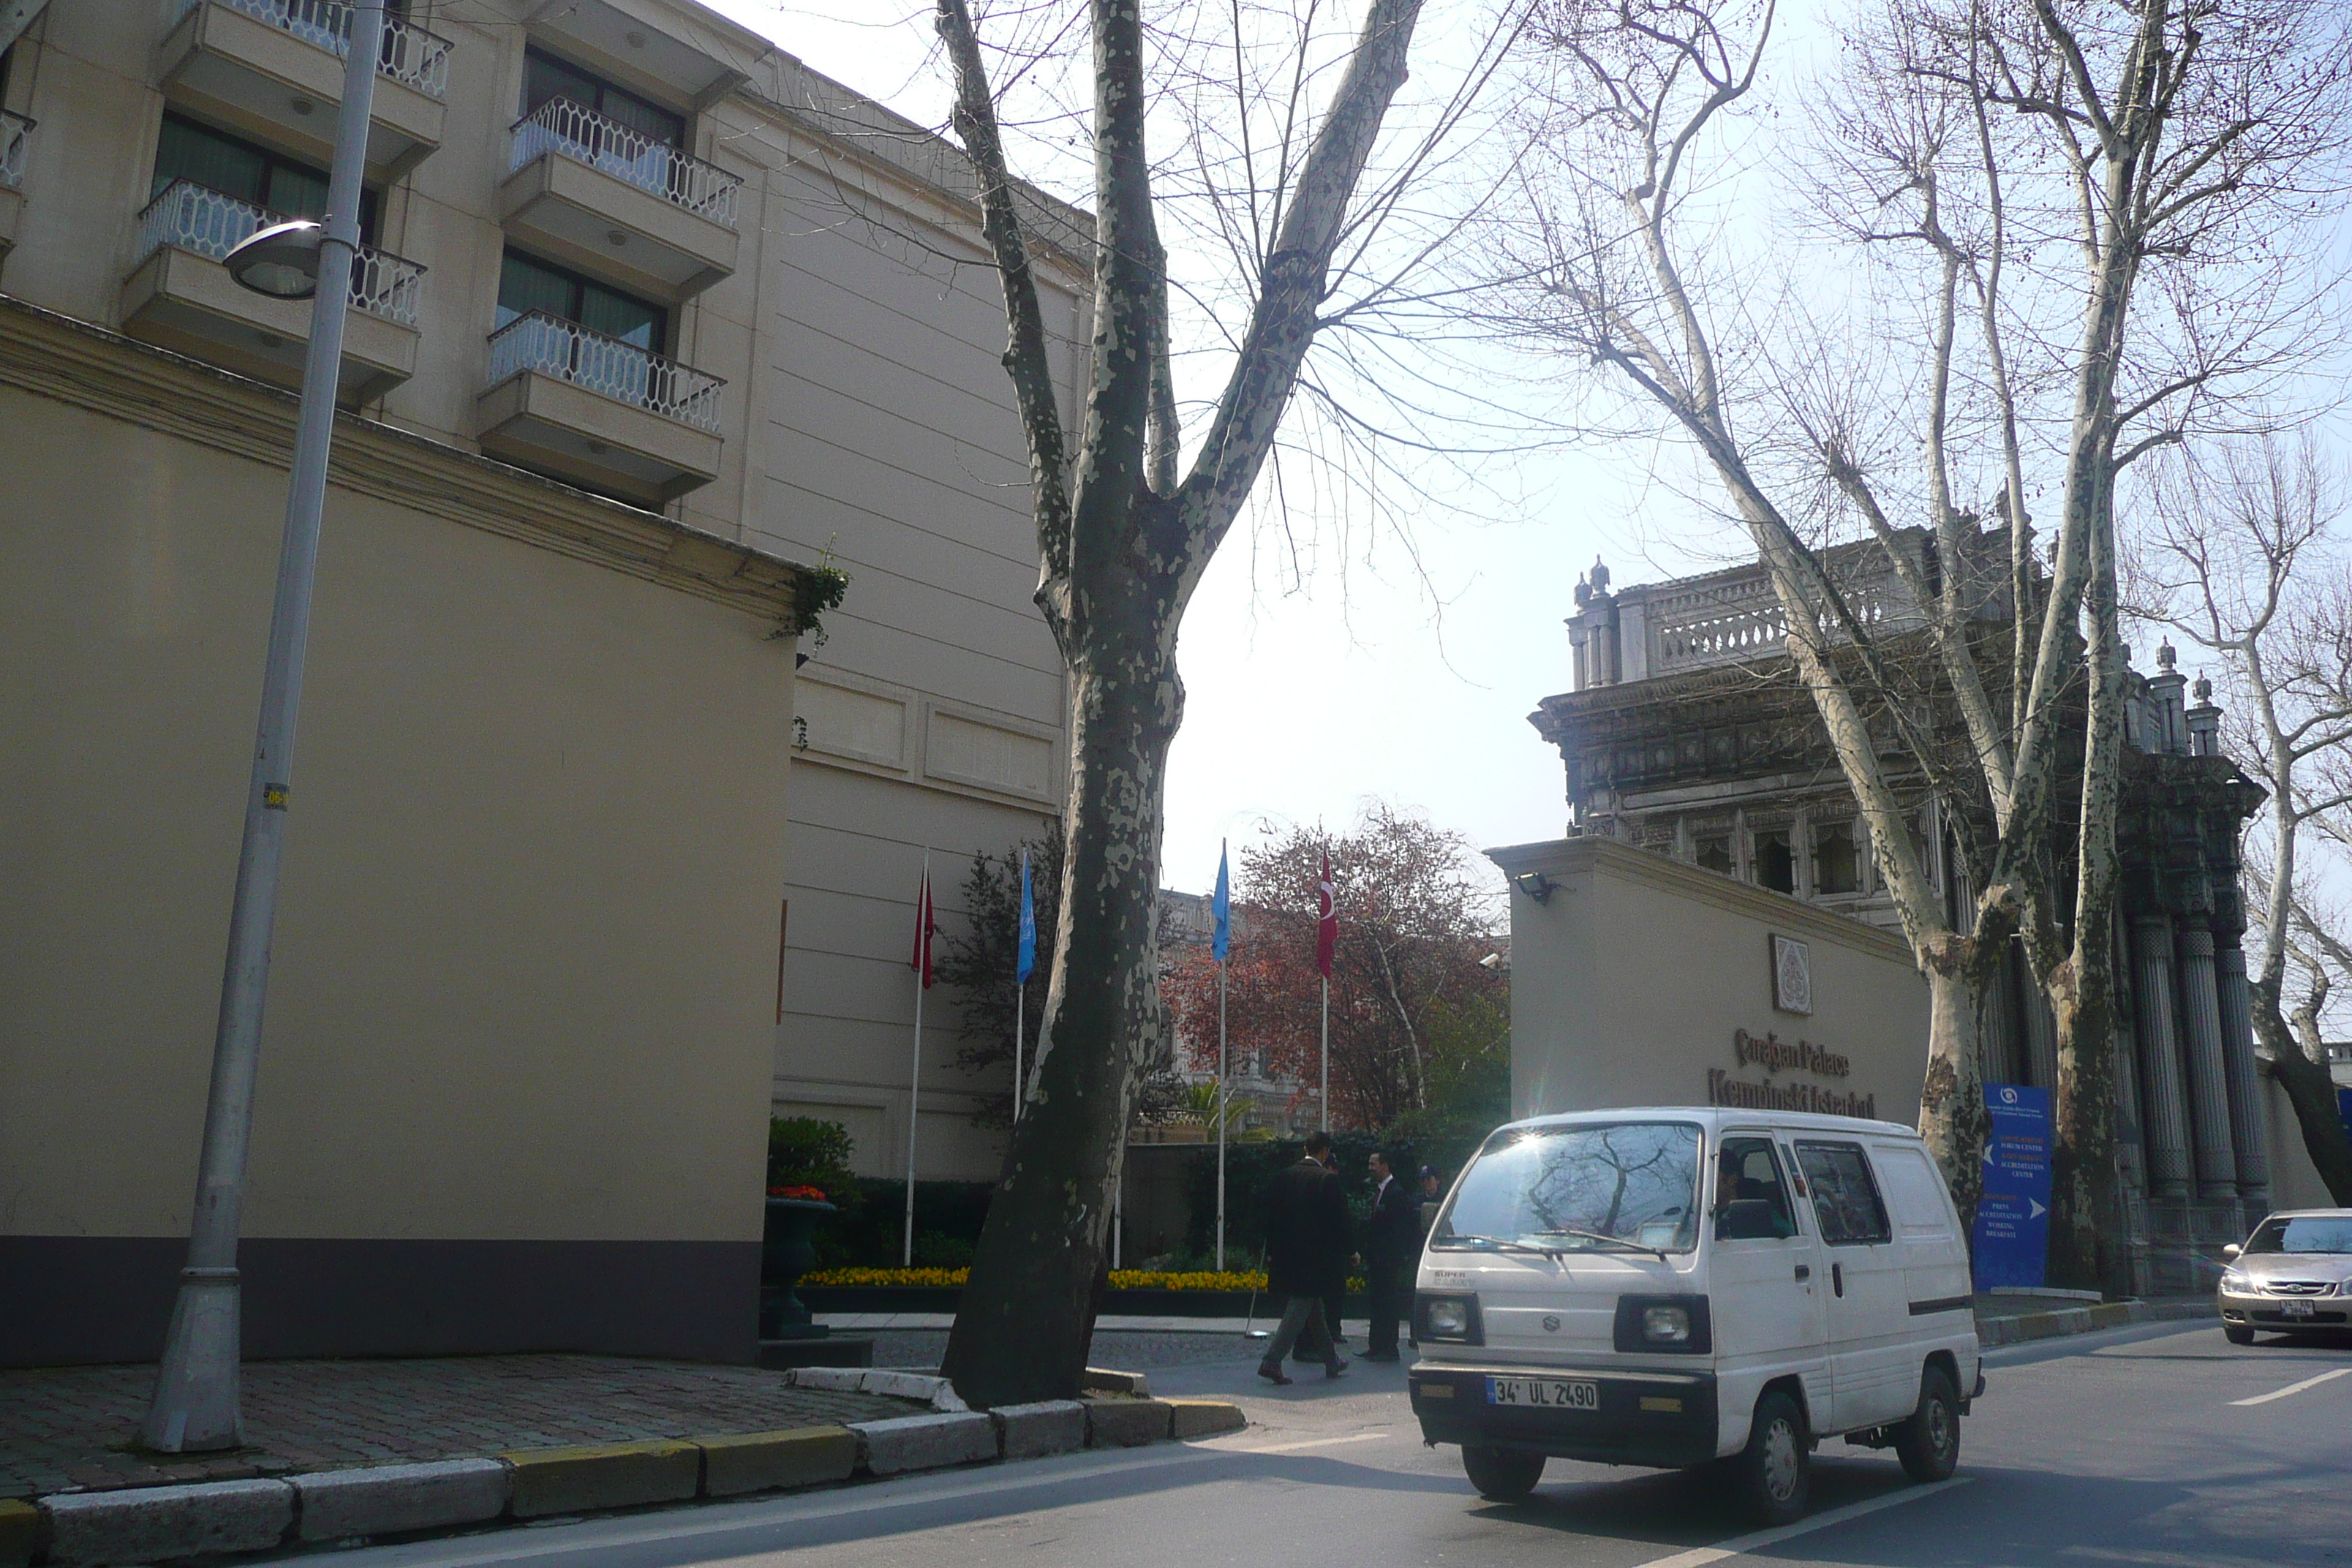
(1929, 1443)
(1502, 1475)
(1776, 1467)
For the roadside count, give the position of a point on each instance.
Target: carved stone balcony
(604, 415)
(16, 133)
(274, 69)
(180, 296)
(589, 191)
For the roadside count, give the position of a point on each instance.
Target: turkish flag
(1326, 928)
(924, 929)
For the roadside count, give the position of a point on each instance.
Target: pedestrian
(1392, 1250)
(1307, 1257)
(1432, 1195)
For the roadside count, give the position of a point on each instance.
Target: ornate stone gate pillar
(2200, 1026)
(2247, 1128)
(2165, 1126)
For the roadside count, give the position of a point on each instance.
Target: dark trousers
(1391, 1301)
(1302, 1328)
(1332, 1305)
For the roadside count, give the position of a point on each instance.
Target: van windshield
(1619, 1186)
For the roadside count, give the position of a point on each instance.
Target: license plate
(1543, 1393)
(2295, 1309)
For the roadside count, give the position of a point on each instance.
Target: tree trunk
(1022, 1338)
(2310, 1090)
(2086, 1219)
(1952, 1117)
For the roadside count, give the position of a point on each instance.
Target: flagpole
(1327, 1053)
(915, 1076)
(1221, 1117)
(1019, 1024)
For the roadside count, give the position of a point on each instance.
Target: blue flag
(1026, 963)
(1222, 906)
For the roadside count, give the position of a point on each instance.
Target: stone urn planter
(787, 1251)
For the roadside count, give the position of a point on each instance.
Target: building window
(528, 285)
(545, 77)
(1714, 855)
(1836, 867)
(1776, 867)
(245, 171)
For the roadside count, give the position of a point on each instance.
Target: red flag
(1327, 929)
(924, 929)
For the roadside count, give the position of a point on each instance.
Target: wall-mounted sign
(1793, 976)
(1773, 1054)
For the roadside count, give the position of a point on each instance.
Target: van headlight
(1452, 1317)
(1677, 1325)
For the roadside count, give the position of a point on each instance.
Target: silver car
(2294, 1273)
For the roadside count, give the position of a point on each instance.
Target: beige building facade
(582, 881)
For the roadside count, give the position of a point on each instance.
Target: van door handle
(1804, 1271)
(1837, 1278)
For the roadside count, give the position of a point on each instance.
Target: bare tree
(2249, 561)
(2040, 184)
(1125, 528)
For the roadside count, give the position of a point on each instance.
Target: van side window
(1914, 1190)
(1752, 1201)
(1845, 1198)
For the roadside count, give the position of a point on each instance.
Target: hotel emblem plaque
(1792, 976)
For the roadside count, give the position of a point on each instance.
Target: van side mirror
(2231, 1251)
(1750, 1219)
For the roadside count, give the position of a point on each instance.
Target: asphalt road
(2161, 1445)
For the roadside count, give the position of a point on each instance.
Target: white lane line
(2295, 1387)
(1315, 1443)
(1740, 1544)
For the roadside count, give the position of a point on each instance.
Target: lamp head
(282, 261)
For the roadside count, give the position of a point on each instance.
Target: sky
(1368, 681)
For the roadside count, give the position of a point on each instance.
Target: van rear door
(1936, 1281)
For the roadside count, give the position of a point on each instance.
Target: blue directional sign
(2012, 1231)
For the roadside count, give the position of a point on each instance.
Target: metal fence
(410, 55)
(569, 352)
(581, 133)
(188, 217)
(14, 132)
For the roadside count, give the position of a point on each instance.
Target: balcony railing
(410, 55)
(14, 132)
(581, 133)
(187, 216)
(569, 352)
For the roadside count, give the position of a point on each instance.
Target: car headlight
(1447, 1317)
(2236, 1281)
(1666, 1325)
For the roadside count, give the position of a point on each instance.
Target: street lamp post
(195, 1406)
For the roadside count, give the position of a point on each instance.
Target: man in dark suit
(1391, 1252)
(1307, 1257)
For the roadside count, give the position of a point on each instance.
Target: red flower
(806, 1194)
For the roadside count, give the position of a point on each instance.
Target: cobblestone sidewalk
(77, 1426)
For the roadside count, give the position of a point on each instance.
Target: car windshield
(2314, 1233)
(1623, 1187)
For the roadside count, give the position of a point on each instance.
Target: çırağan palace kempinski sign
(1774, 1055)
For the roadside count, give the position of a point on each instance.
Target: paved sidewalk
(77, 1426)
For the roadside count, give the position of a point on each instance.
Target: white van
(1670, 1286)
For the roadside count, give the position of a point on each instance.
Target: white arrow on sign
(2035, 1211)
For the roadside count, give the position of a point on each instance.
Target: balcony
(604, 415)
(179, 295)
(15, 131)
(274, 69)
(589, 191)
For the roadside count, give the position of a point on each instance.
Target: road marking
(2295, 1387)
(1315, 1443)
(1739, 1545)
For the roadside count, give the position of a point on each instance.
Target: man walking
(1390, 1253)
(1307, 1257)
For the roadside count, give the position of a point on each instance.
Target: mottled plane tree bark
(1124, 532)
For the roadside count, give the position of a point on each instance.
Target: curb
(2029, 1326)
(132, 1525)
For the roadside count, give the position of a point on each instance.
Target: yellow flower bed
(1120, 1279)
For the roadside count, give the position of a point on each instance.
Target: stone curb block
(1032, 1431)
(901, 1443)
(921, 1388)
(615, 1474)
(1126, 1423)
(20, 1533)
(2029, 1326)
(1190, 1418)
(144, 1523)
(388, 1499)
(764, 1461)
(1103, 1380)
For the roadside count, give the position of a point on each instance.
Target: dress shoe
(1379, 1355)
(1272, 1371)
(1336, 1367)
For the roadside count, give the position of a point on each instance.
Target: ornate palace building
(1687, 735)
